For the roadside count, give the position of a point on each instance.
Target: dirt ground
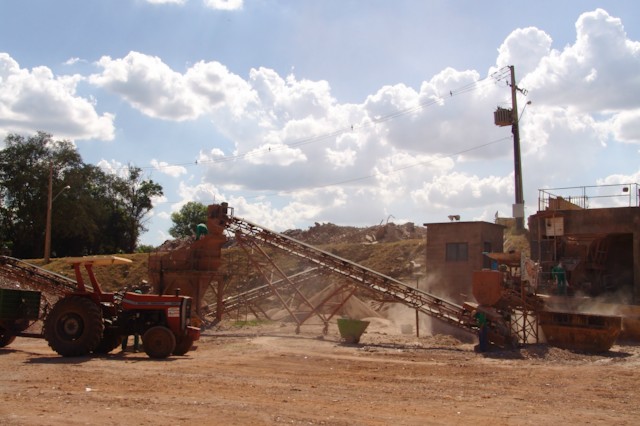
(268, 374)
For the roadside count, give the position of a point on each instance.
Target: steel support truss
(251, 236)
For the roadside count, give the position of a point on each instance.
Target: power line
(312, 139)
(357, 179)
(408, 166)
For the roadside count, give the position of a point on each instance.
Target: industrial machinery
(515, 313)
(508, 297)
(194, 267)
(85, 319)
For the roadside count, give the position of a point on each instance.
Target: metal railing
(589, 197)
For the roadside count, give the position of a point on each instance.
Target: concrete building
(598, 245)
(454, 250)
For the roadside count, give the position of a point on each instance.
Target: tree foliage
(100, 213)
(186, 220)
(134, 196)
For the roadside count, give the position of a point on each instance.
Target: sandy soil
(271, 375)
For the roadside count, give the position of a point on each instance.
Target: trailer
(19, 309)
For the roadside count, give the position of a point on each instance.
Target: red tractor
(86, 321)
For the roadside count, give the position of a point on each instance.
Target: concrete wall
(452, 279)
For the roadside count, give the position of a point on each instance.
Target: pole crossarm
(364, 277)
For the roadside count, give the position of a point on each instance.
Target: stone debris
(177, 244)
(328, 233)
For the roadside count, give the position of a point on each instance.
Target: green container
(19, 304)
(351, 329)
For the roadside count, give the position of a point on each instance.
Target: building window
(457, 252)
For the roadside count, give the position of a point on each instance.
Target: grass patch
(250, 323)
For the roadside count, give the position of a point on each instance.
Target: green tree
(25, 165)
(100, 213)
(186, 220)
(145, 248)
(118, 206)
(97, 225)
(134, 202)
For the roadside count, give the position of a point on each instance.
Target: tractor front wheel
(74, 326)
(158, 342)
(183, 345)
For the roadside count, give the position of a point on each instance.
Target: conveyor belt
(35, 278)
(364, 277)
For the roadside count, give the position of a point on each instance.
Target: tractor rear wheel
(6, 338)
(158, 342)
(110, 340)
(183, 345)
(74, 326)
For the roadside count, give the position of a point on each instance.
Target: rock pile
(329, 233)
(178, 243)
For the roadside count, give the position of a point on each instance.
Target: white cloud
(458, 190)
(224, 4)
(148, 84)
(524, 47)
(440, 120)
(602, 60)
(620, 179)
(180, 2)
(213, 155)
(303, 206)
(342, 158)
(205, 193)
(113, 167)
(155, 89)
(212, 86)
(39, 100)
(72, 61)
(626, 126)
(159, 199)
(434, 147)
(212, 4)
(275, 154)
(166, 168)
(296, 153)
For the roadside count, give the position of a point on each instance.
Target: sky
(350, 112)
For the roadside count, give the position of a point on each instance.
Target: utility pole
(47, 233)
(518, 208)
(505, 117)
(50, 200)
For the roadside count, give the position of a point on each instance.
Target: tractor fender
(193, 333)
